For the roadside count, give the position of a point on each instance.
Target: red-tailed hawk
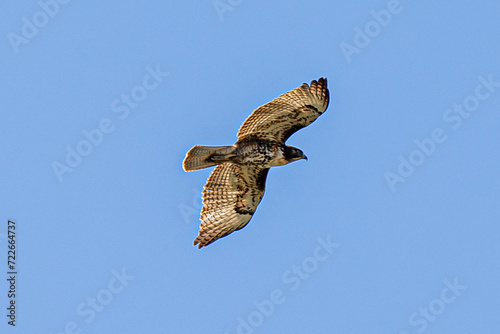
(237, 184)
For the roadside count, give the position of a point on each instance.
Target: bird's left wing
(230, 198)
(288, 113)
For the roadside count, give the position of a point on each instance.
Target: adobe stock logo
(31, 27)
(294, 277)
(223, 6)
(373, 28)
(190, 213)
(430, 313)
(453, 117)
(122, 107)
(88, 310)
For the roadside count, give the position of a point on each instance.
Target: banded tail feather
(200, 157)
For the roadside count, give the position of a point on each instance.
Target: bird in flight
(237, 184)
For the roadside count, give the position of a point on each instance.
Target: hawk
(237, 184)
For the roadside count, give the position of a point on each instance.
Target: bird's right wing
(288, 113)
(230, 198)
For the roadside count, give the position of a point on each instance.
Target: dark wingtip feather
(321, 87)
(197, 242)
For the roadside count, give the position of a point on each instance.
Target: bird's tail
(205, 156)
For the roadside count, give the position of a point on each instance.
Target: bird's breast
(262, 153)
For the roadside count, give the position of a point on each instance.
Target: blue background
(127, 208)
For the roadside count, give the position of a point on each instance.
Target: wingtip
(322, 81)
(320, 86)
(198, 242)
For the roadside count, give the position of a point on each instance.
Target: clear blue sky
(392, 226)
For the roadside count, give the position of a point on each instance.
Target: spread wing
(230, 198)
(288, 113)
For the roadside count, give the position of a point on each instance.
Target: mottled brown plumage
(237, 184)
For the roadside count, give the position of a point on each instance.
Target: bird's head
(292, 154)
